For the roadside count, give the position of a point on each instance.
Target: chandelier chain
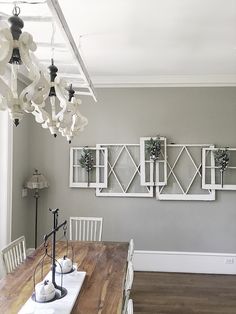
(16, 10)
(53, 40)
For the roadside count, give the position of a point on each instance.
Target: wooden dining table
(102, 290)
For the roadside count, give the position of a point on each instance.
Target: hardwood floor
(172, 293)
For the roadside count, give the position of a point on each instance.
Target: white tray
(72, 282)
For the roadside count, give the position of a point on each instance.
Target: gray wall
(22, 214)
(183, 115)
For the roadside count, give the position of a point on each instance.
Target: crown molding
(155, 81)
(164, 81)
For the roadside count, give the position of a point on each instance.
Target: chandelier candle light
(46, 291)
(68, 120)
(46, 90)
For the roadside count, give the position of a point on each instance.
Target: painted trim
(185, 262)
(164, 81)
(6, 178)
(6, 161)
(153, 81)
(9, 179)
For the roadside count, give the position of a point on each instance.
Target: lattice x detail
(123, 172)
(184, 165)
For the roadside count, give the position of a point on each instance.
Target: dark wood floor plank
(174, 293)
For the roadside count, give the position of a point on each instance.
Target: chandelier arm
(26, 44)
(79, 121)
(42, 89)
(41, 115)
(63, 102)
(67, 122)
(9, 99)
(28, 93)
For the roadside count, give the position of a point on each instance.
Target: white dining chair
(86, 228)
(14, 254)
(128, 285)
(130, 307)
(130, 251)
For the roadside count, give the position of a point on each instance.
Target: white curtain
(6, 142)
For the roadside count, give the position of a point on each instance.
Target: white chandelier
(63, 114)
(47, 97)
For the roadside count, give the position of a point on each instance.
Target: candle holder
(49, 290)
(65, 265)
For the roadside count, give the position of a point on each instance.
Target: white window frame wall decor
(145, 161)
(97, 166)
(111, 170)
(186, 195)
(213, 168)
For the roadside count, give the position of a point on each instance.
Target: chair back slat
(128, 285)
(14, 254)
(15, 259)
(131, 250)
(80, 229)
(129, 276)
(18, 255)
(95, 230)
(130, 308)
(91, 229)
(86, 228)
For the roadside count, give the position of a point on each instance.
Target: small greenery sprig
(87, 161)
(153, 149)
(222, 161)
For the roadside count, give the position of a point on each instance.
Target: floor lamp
(36, 183)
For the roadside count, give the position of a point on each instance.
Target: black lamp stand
(36, 196)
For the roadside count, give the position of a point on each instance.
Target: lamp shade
(37, 181)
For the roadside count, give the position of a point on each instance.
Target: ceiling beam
(63, 26)
(74, 76)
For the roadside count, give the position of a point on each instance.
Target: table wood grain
(101, 292)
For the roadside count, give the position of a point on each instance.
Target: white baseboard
(185, 262)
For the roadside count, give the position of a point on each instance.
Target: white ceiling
(138, 42)
(155, 41)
